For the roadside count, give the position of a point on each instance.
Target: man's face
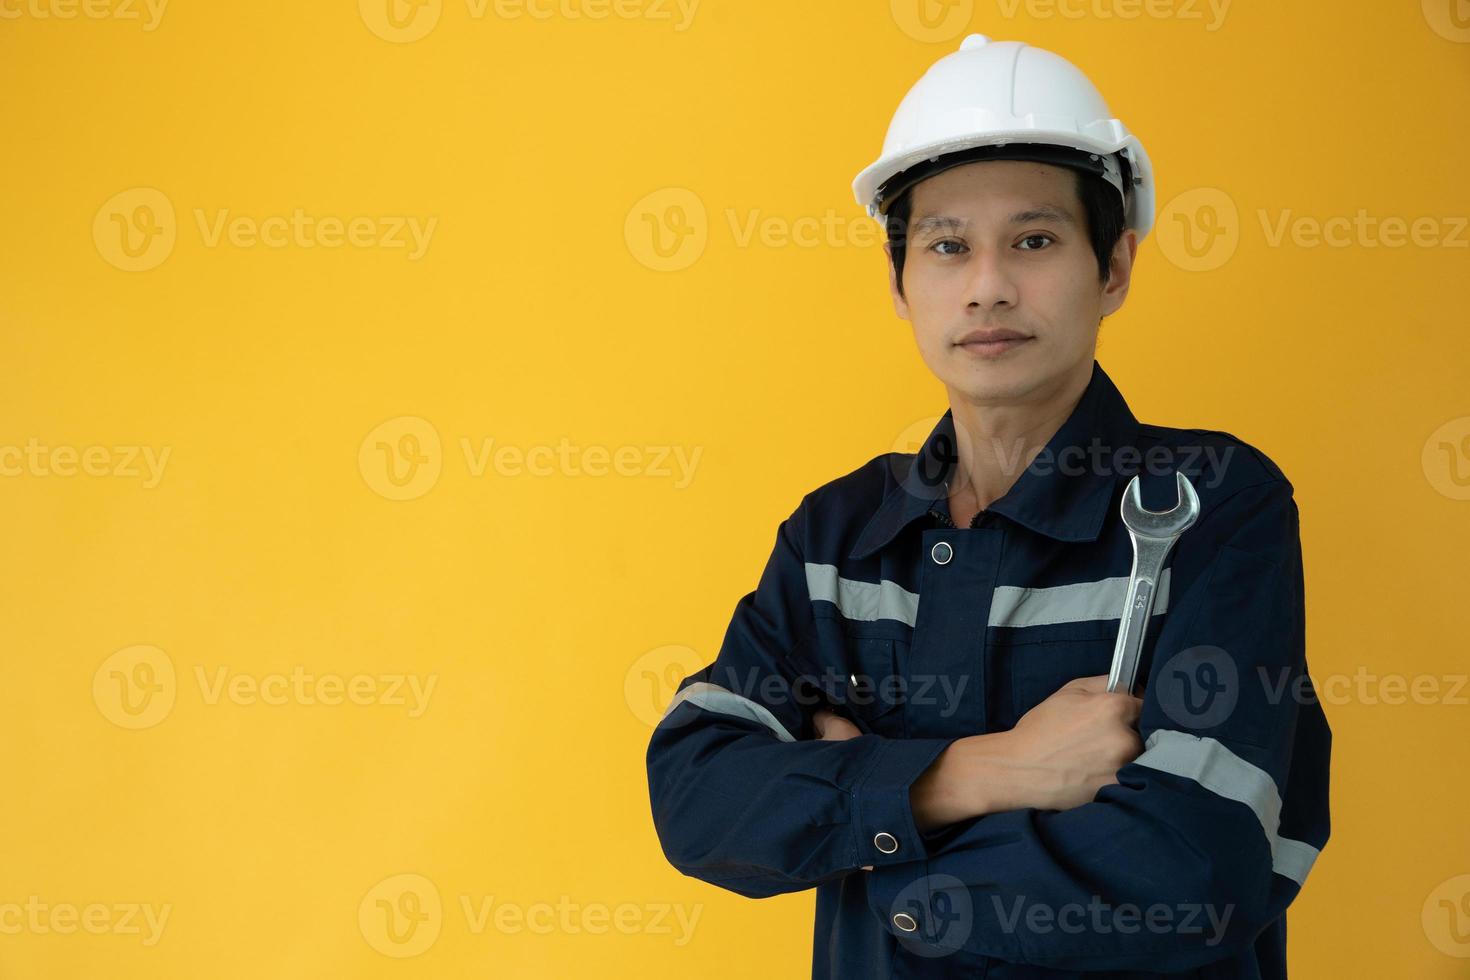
(1002, 245)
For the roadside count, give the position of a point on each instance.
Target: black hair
(1101, 207)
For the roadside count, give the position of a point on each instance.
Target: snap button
(905, 921)
(886, 843)
(941, 553)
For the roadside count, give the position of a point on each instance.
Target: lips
(991, 345)
(991, 336)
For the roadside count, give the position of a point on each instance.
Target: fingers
(833, 727)
(819, 721)
(1098, 684)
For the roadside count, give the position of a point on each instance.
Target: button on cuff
(882, 814)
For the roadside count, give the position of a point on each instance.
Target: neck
(999, 439)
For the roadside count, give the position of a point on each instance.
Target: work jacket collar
(1063, 494)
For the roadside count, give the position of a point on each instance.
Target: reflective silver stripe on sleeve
(1293, 858)
(1012, 605)
(1222, 772)
(713, 697)
(863, 600)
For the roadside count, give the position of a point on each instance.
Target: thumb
(820, 721)
(836, 728)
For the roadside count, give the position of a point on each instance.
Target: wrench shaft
(1129, 645)
(1148, 565)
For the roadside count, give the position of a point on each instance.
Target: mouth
(992, 343)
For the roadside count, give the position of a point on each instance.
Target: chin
(993, 385)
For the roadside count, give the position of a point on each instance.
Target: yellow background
(552, 610)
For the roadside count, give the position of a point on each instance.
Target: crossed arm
(1058, 756)
(1092, 798)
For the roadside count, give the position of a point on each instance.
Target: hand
(1072, 744)
(832, 727)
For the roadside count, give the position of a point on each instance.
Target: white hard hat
(1005, 100)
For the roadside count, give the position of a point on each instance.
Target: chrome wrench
(1153, 533)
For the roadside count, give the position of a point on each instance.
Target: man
(910, 713)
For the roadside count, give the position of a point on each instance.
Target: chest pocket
(875, 686)
(1038, 668)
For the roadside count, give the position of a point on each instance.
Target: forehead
(997, 187)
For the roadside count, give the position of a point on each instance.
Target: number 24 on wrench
(1153, 533)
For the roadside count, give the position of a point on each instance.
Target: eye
(936, 247)
(1032, 238)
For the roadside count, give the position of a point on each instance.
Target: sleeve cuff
(883, 817)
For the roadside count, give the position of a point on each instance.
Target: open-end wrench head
(1160, 523)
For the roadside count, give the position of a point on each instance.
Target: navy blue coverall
(874, 603)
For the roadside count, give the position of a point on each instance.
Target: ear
(1120, 272)
(900, 305)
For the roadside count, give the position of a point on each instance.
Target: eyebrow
(1042, 212)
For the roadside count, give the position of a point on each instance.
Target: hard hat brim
(1049, 153)
(876, 178)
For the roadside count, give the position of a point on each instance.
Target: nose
(991, 282)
